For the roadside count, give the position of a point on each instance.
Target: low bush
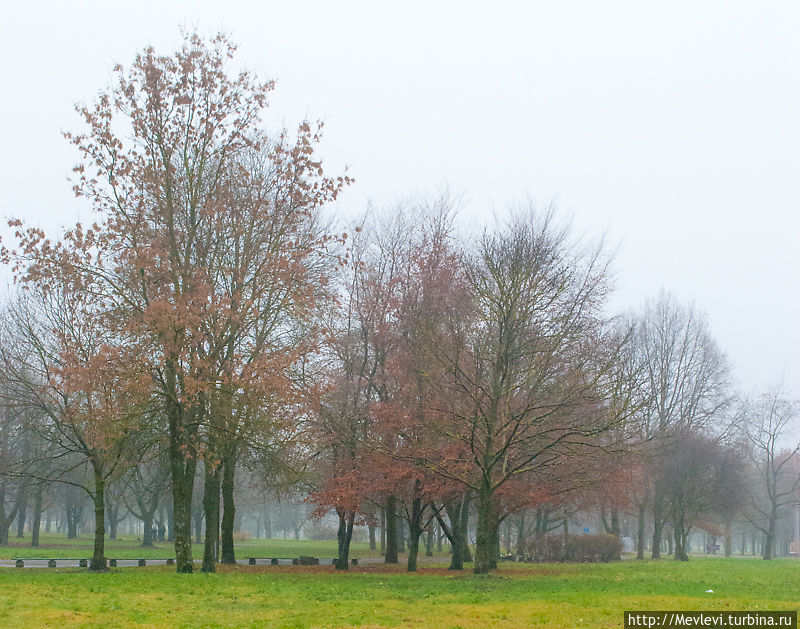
(578, 548)
(319, 531)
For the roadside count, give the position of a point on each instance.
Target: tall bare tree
(771, 427)
(527, 373)
(688, 386)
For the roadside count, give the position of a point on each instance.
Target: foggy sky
(672, 127)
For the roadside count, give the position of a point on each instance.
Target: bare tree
(527, 367)
(770, 425)
(687, 380)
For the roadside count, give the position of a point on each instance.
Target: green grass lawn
(518, 595)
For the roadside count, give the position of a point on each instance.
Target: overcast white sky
(672, 126)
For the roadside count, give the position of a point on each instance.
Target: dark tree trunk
(615, 526)
(73, 514)
(344, 535)
(429, 542)
(182, 484)
(383, 532)
(768, 550)
(211, 491)
(22, 514)
(391, 530)
(98, 561)
(183, 463)
(36, 524)
(456, 533)
(414, 528)
(229, 508)
(401, 535)
(112, 511)
(371, 529)
(466, 553)
(147, 525)
(680, 536)
(641, 532)
(658, 527)
(728, 540)
(487, 526)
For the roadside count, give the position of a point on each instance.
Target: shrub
(319, 531)
(242, 536)
(578, 548)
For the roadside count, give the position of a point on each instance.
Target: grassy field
(518, 595)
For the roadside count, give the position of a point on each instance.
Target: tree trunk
(414, 529)
(211, 490)
(466, 554)
(456, 533)
(487, 525)
(391, 530)
(615, 526)
(768, 550)
(728, 540)
(401, 535)
(680, 537)
(22, 514)
(98, 561)
(147, 525)
(383, 532)
(641, 531)
(658, 527)
(112, 511)
(371, 529)
(37, 516)
(72, 522)
(229, 509)
(183, 463)
(429, 542)
(345, 534)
